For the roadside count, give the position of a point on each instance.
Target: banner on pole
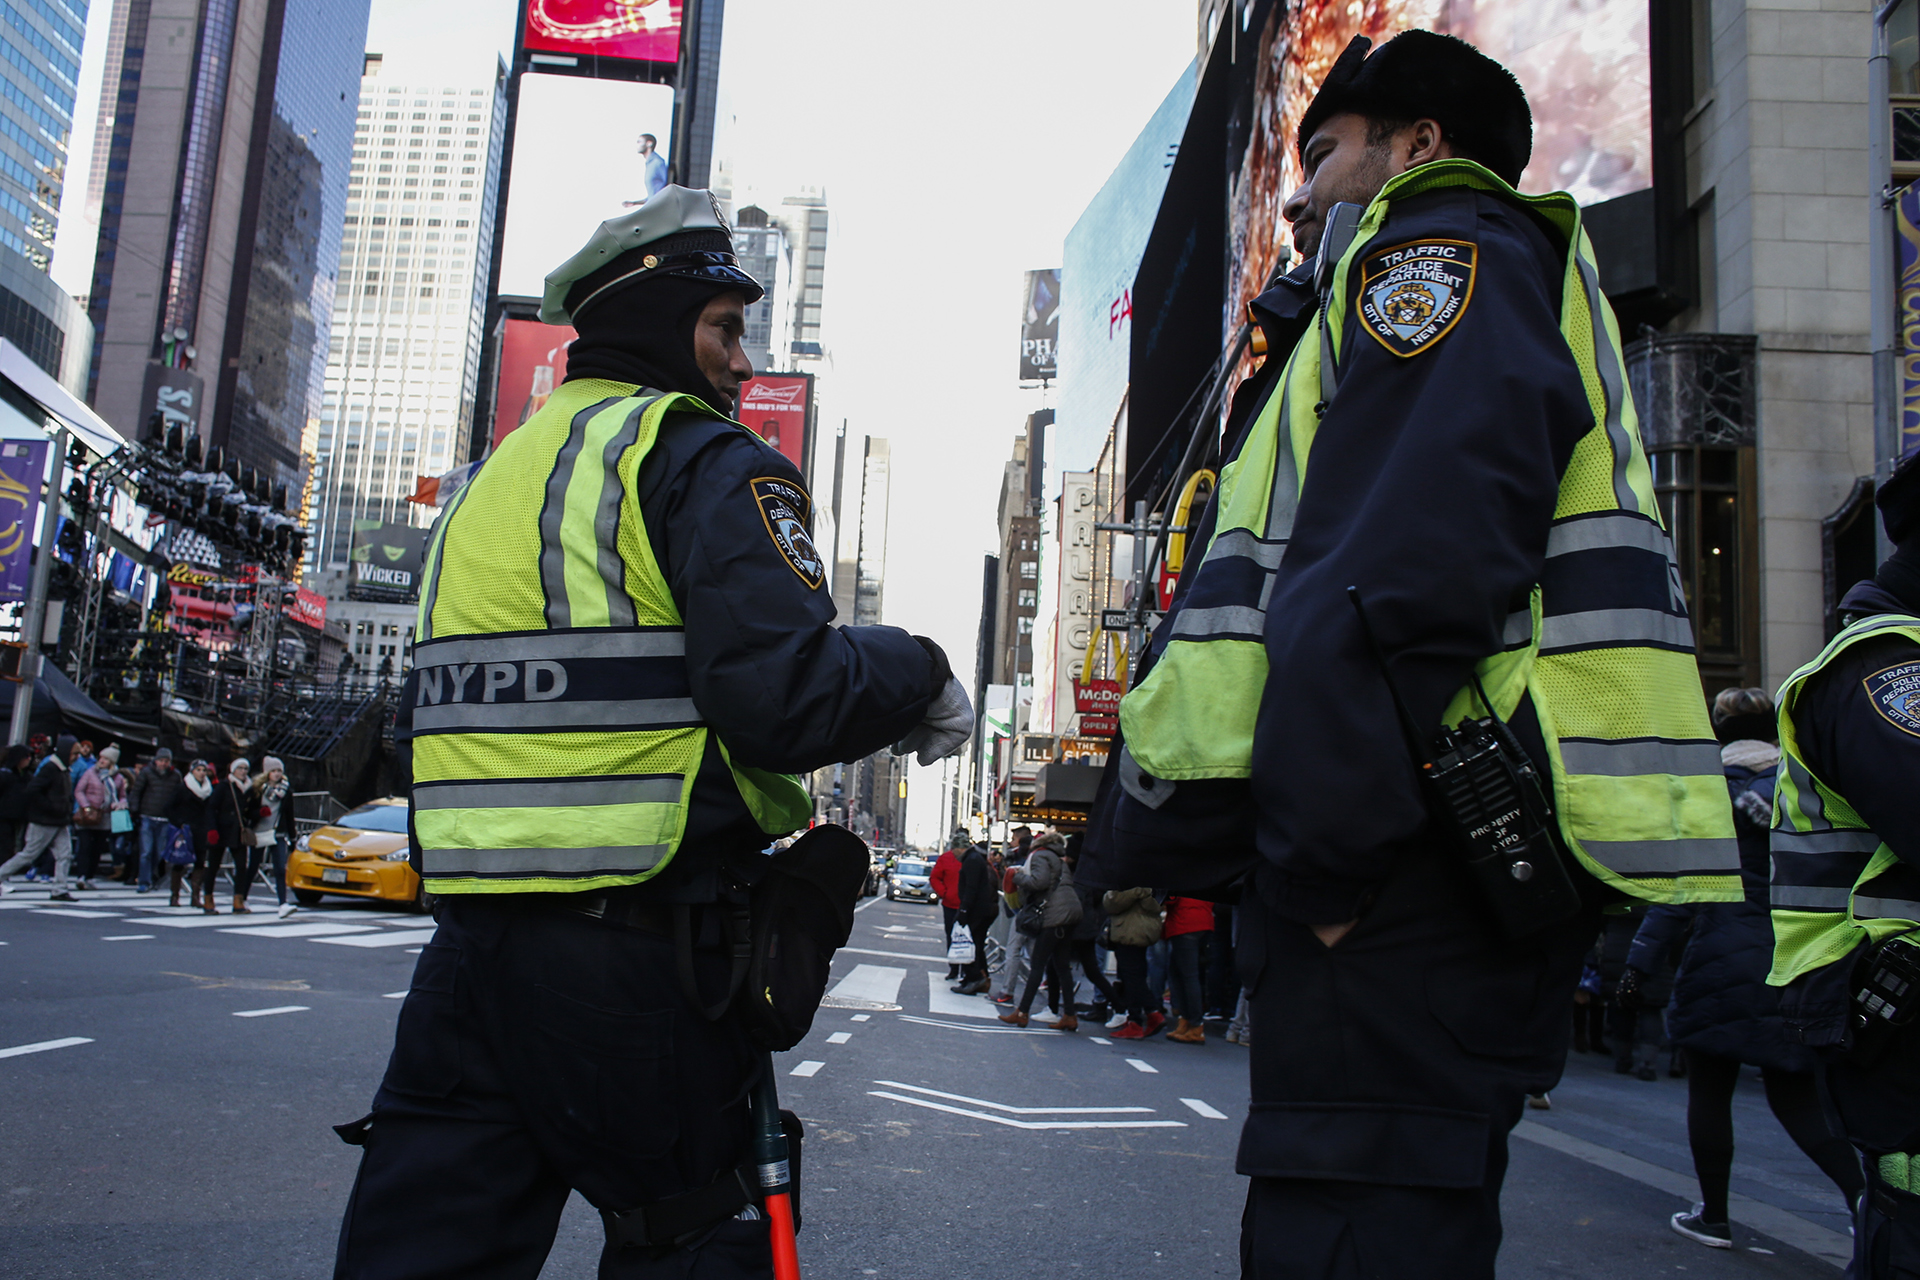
(23, 470)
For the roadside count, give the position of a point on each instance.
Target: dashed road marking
(313, 930)
(391, 938)
(1018, 1111)
(268, 1013)
(1200, 1108)
(806, 1069)
(125, 937)
(1101, 1040)
(1139, 1064)
(861, 1017)
(1013, 1123)
(78, 914)
(394, 995)
(44, 1045)
(840, 1037)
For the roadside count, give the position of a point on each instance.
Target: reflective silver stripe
(553, 646)
(1518, 629)
(1226, 619)
(600, 860)
(606, 519)
(1242, 543)
(553, 555)
(1283, 494)
(1592, 533)
(1665, 857)
(435, 555)
(1615, 626)
(482, 717)
(1809, 897)
(1885, 909)
(1607, 360)
(1829, 841)
(548, 793)
(1632, 759)
(1811, 803)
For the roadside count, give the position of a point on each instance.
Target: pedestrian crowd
(71, 817)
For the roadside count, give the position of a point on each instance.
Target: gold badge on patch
(1411, 294)
(786, 509)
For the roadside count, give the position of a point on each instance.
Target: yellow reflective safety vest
(1637, 784)
(555, 740)
(1835, 883)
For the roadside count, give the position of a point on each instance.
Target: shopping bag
(960, 950)
(178, 850)
(122, 821)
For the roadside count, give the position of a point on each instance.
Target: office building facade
(403, 358)
(766, 254)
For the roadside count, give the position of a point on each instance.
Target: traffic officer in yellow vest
(624, 654)
(1846, 879)
(1451, 433)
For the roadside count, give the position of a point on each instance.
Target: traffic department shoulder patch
(1896, 695)
(786, 509)
(1411, 294)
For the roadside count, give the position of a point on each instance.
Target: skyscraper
(764, 252)
(805, 218)
(40, 43)
(220, 214)
(403, 361)
(871, 573)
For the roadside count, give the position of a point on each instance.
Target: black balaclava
(1899, 573)
(643, 333)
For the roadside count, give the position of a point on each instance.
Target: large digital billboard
(778, 407)
(533, 361)
(1040, 327)
(634, 30)
(584, 151)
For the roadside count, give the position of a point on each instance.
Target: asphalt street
(170, 1079)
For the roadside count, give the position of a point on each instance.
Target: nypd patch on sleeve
(786, 509)
(1896, 695)
(1411, 294)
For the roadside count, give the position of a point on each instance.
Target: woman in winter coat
(1723, 1013)
(273, 827)
(1135, 914)
(96, 794)
(1048, 881)
(189, 810)
(1188, 921)
(232, 812)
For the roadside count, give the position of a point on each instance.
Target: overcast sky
(956, 145)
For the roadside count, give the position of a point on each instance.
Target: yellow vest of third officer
(555, 740)
(1637, 784)
(1835, 883)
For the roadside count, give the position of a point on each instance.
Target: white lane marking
(268, 1013)
(894, 928)
(261, 919)
(872, 983)
(388, 939)
(125, 937)
(1027, 1124)
(1202, 1109)
(1788, 1228)
(840, 1037)
(411, 951)
(1101, 1040)
(892, 955)
(876, 898)
(1018, 1111)
(43, 1046)
(1139, 1065)
(303, 930)
(861, 1017)
(806, 1069)
(77, 914)
(394, 995)
(985, 1031)
(942, 1000)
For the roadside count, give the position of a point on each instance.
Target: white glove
(949, 723)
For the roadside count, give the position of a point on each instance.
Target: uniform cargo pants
(1388, 1071)
(541, 1052)
(1877, 1101)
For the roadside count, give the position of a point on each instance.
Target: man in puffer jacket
(49, 815)
(979, 904)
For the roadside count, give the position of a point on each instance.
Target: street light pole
(36, 616)
(1881, 262)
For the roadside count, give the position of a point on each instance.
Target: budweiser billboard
(533, 361)
(778, 407)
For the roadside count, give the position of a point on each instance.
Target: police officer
(624, 655)
(1444, 423)
(1846, 877)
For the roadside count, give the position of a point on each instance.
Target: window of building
(1024, 626)
(1028, 598)
(1706, 498)
(1029, 569)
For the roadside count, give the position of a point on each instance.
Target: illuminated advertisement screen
(636, 30)
(778, 407)
(583, 151)
(533, 361)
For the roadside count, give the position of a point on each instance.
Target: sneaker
(84, 884)
(5, 888)
(1004, 997)
(1129, 1030)
(287, 909)
(145, 888)
(1233, 1037)
(1714, 1235)
(1540, 1102)
(1155, 1021)
(62, 896)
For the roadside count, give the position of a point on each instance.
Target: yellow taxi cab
(362, 854)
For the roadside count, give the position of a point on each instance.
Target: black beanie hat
(1899, 501)
(1419, 75)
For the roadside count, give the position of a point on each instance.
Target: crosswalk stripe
(388, 939)
(44, 1045)
(313, 930)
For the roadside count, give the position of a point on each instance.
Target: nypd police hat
(1419, 75)
(677, 232)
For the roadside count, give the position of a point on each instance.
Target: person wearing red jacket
(944, 880)
(1188, 921)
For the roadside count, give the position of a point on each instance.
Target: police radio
(1483, 790)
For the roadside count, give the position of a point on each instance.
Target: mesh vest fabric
(555, 740)
(1637, 784)
(1835, 883)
